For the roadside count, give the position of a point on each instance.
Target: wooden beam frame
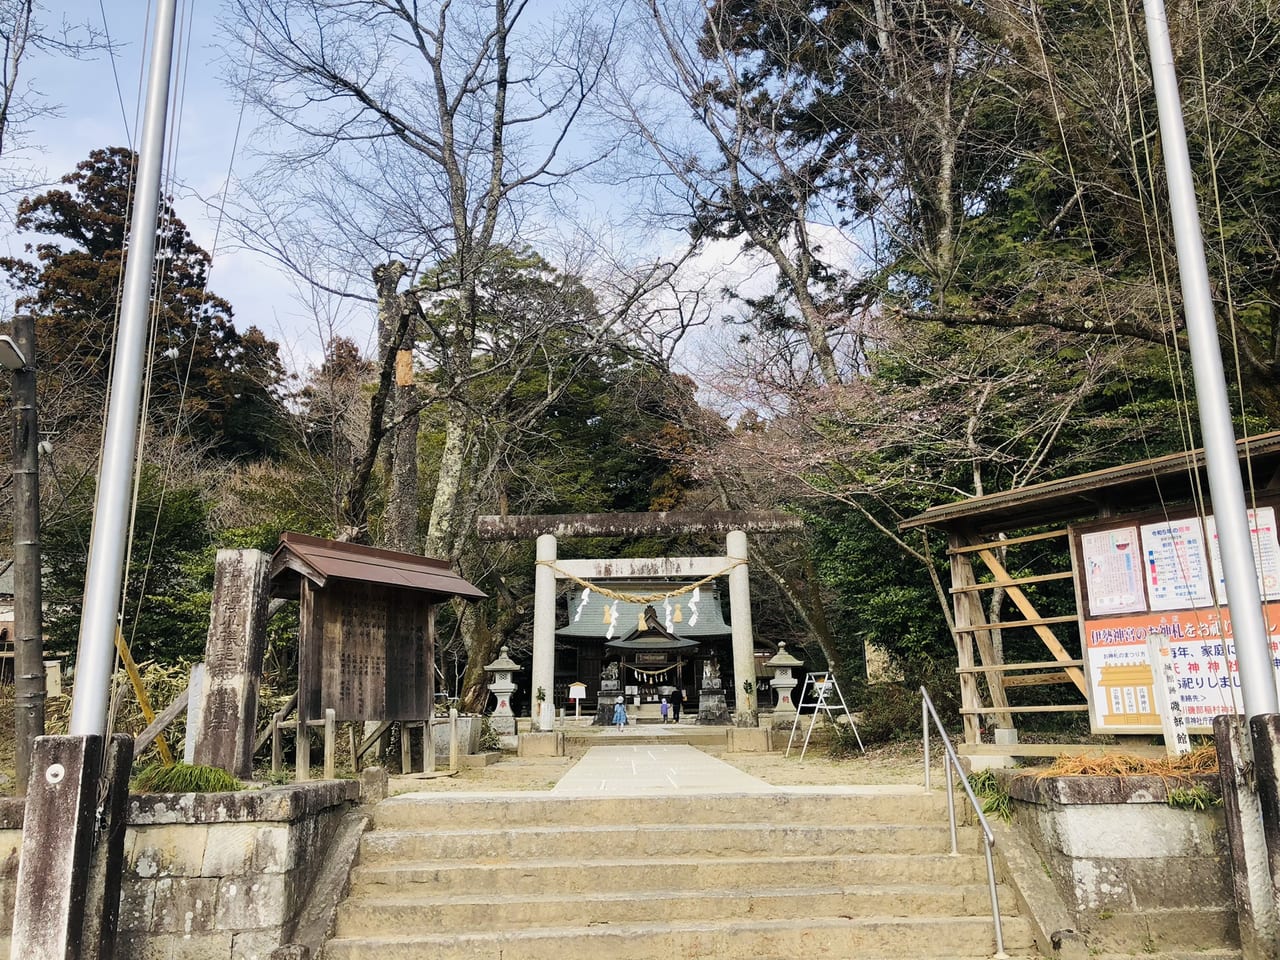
(1024, 604)
(1010, 542)
(1015, 582)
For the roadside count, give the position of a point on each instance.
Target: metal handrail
(952, 772)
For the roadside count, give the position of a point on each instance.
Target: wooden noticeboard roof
(1131, 486)
(320, 561)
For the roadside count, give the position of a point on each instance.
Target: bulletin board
(1160, 574)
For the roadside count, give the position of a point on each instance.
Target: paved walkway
(654, 769)
(657, 769)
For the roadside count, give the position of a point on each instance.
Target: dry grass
(1203, 760)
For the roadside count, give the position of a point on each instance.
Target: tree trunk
(402, 499)
(443, 540)
(400, 455)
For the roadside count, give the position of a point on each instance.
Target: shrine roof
(320, 560)
(588, 622)
(1140, 485)
(651, 635)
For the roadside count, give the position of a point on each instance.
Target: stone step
(904, 805)
(676, 839)
(833, 938)
(670, 874)
(367, 916)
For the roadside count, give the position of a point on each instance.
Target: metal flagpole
(68, 889)
(1234, 537)
(102, 589)
(1251, 823)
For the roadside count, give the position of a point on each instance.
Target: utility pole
(104, 573)
(28, 646)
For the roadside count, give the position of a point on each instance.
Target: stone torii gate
(548, 528)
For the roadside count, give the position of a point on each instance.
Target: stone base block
(749, 740)
(712, 708)
(1156, 931)
(468, 736)
(373, 784)
(779, 720)
(541, 745)
(974, 763)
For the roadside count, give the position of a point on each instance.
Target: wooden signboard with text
(367, 651)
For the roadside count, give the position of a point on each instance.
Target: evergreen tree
(208, 380)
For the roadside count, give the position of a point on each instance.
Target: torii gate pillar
(744, 658)
(543, 674)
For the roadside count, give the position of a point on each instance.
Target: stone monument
(610, 689)
(712, 708)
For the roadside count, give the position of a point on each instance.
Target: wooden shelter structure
(1015, 545)
(366, 634)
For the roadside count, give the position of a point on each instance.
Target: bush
(489, 736)
(892, 713)
(843, 741)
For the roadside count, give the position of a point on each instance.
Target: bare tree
(420, 136)
(419, 146)
(25, 31)
(715, 152)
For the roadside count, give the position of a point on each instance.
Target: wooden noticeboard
(367, 651)
(1160, 575)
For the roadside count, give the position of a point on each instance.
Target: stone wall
(1138, 874)
(219, 875)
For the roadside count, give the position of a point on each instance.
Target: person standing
(664, 709)
(677, 700)
(620, 714)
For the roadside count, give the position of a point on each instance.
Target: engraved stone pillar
(502, 686)
(233, 662)
(784, 682)
(544, 635)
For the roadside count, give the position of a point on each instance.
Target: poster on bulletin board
(1160, 576)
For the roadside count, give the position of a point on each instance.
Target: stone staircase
(544, 877)
(578, 741)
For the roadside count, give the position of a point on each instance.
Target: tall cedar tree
(209, 380)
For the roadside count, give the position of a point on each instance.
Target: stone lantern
(502, 686)
(784, 682)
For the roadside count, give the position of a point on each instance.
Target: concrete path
(654, 769)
